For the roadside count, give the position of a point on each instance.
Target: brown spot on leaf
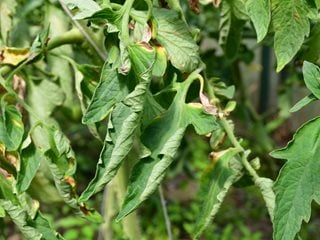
(208, 107)
(146, 45)
(70, 180)
(194, 5)
(216, 3)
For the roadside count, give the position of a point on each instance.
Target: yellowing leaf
(13, 56)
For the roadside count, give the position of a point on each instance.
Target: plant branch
(82, 30)
(165, 213)
(125, 21)
(227, 127)
(70, 37)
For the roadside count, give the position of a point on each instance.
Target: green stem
(109, 211)
(165, 213)
(74, 36)
(131, 222)
(125, 21)
(5, 70)
(227, 127)
(84, 32)
(71, 37)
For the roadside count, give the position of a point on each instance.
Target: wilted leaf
(62, 166)
(32, 229)
(123, 122)
(216, 182)
(112, 88)
(20, 217)
(162, 137)
(24, 214)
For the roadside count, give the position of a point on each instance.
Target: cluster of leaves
(141, 106)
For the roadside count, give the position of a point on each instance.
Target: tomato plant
(118, 88)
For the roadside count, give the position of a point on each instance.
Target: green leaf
(85, 8)
(160, 64)
(151, 109)
(173, 34)
(299, 181)
(119, 141)
(291, 25)
(142, 56)
(39, 44)
(312, 51)
(11, 127)
(303, 102)
(111, 17)
(25, 214)
(216, 182)
(111, 89)
(43, 226)
(2, 212)
(29, 165)
(311, 75)
(118, 144)
(230, 29)
(6, 190)
(260, 14)
(62, 165)
(266, 185)
(162, 137)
